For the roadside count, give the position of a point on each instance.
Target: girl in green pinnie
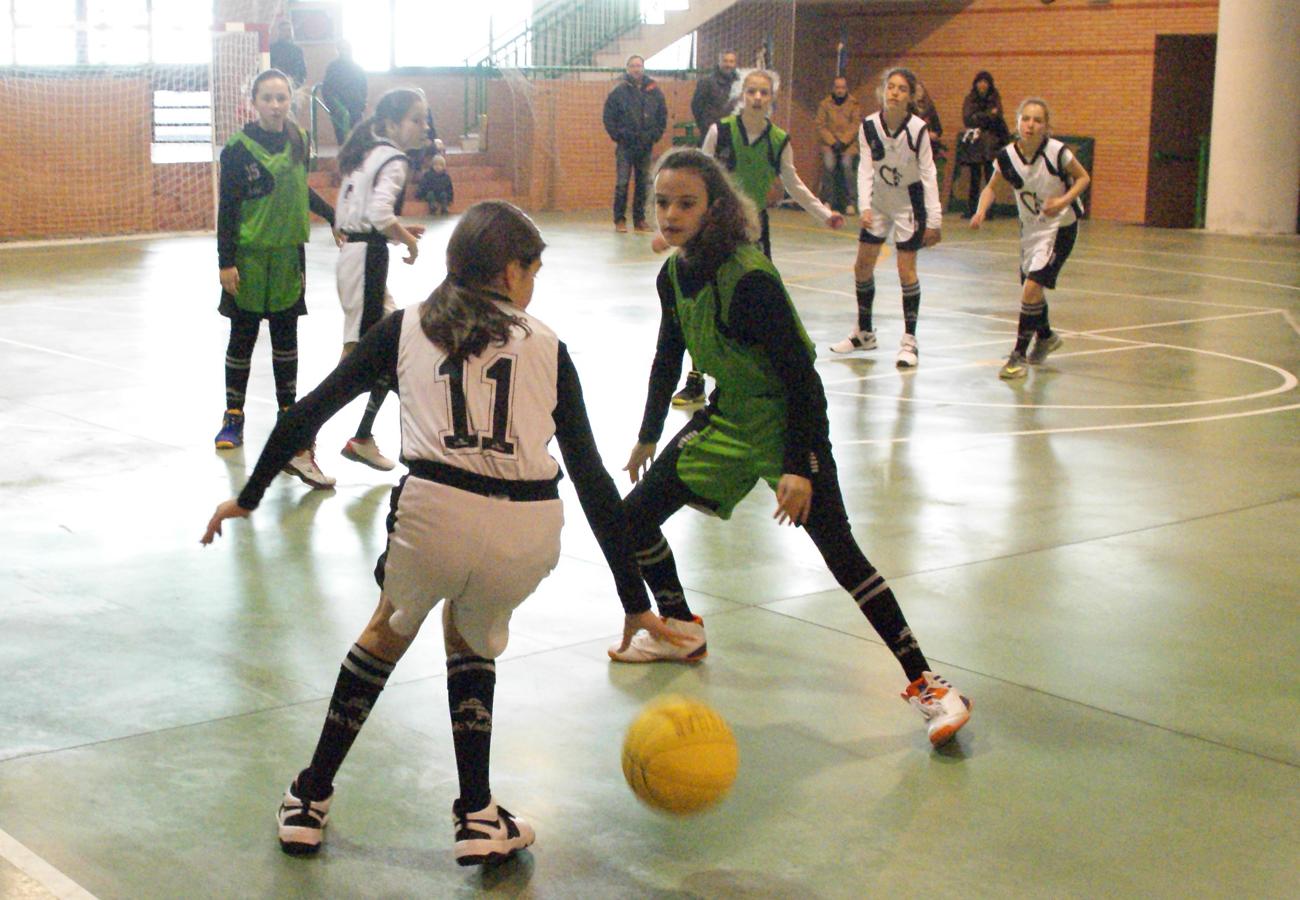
(262, 225)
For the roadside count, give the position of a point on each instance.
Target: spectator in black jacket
(636, 115)
(986, 133)
(344, 88)
(715, 94)
(287, 56)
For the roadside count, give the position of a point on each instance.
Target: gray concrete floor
(1103, 556)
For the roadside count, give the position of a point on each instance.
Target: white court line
(33, 866)
(1241, 259)
(1191, 421)
(85, 359)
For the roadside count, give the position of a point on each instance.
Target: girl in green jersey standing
(262, 226)
(724, 301)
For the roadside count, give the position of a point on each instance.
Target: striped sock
(237, 369)
(471, 683)
(284, 365)
(911, 306)
(1044, 327)
(866, 295)
(361, 678)
(659, 570)
(877, 602)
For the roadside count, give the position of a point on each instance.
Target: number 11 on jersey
(499, 373)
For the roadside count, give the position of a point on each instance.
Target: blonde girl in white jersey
(1048, 181)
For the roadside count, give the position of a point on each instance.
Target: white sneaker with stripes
(302, 822)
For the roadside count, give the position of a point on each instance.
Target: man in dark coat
(713, 93)
(287, 56)
(344, 88)
(635, 116)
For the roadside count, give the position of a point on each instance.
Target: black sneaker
(489, 836)
(302, 822)
(692, 393)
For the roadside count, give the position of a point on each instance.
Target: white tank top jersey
(1039, 180)
(898, 161)
(369, 195)
(490, 414)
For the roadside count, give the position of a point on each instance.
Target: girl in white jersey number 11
(1048, 182)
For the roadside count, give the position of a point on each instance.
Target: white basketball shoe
(645, 647)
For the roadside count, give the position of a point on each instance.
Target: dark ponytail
(459, 316)
(391, 108)
(291, 128)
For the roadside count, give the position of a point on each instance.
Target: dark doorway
(1182, 96)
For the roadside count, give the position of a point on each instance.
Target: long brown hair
(731, 219)
(391, 109)
(459, 316)
(290, 127)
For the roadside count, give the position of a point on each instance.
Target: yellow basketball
(679, 756)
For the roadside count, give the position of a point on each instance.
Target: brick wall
(1093, 63)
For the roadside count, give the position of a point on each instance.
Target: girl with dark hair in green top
(724, 301)
(262, 225)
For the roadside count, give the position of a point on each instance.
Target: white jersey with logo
(1038, 180)
(491, 414)
(896, 172)
(370, 194)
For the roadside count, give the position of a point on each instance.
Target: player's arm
(929, 189)
(320, 206)
(381, 210)
(375, 356)
(866, 177)
(664, 373)
(986, 198)
(799, 191)
(710, 146)
(1081, 180)
(231, 192)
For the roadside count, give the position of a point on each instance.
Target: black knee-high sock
(659, 570)
(1030, 316)
(361, 678)
(239, 359)
(284, 357)
(1044, 327)
(911, 306)
(877, 601)
(471, 682)
(866, 294)
(367, 424)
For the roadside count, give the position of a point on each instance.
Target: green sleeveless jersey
(749, 387)
(754, 164)
(278, 218)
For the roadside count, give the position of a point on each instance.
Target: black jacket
(712, 99)
(636, 114)
(287, 57)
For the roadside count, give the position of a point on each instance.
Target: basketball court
(1103, 556)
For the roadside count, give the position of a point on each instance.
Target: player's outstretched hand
(977, 220)
(648, 621)
(639, 462)
(836, 221)
(931, 237)
(417, 230)
(658, 243)
(230, 280)
(339, 238)
(865, 218)
(412, 251)
(230, 509)
(793, 499)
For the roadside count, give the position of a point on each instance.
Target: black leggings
(980, 175)
(244, 327)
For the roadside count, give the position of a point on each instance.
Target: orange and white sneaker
(939, 702)
(645, 647)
